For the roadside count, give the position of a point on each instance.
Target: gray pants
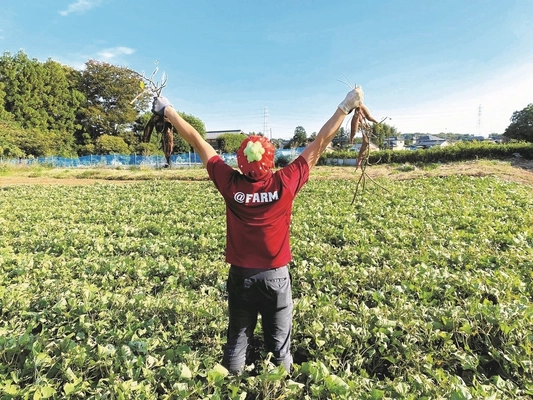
(252, 292)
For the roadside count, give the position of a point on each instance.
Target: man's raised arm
(163, 107)
(314, 150)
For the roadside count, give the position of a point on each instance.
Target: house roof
(430, 141)
(430, 138)
(215, 134)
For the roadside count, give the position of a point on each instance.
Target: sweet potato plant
(118, 292)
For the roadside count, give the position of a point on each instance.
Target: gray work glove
(159, 104)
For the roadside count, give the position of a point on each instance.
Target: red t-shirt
(258, 213)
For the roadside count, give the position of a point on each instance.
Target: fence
(184, 160)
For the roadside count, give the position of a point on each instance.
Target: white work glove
(353, 99)
(159, 104)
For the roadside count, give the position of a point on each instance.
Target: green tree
(521, 127)
(300, 137)
(9, 131)
(109, 91)
(382, 131)
(22, 79)
(41, 143)
(180, 145)
(138, 125)
(107, 144)
(155, 145)
(39, 95)
(61, 97)
(341, 137)
(43, 99)
(278, 143)
(230, 142)
(148, 149)
(136, 134)
(4, 115)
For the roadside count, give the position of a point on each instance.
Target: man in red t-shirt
(258, 215)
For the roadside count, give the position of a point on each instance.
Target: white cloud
(80, 6)
(114, 52)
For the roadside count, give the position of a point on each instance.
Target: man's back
(258, 213)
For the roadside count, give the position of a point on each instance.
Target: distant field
(420, 289)
(516, 170)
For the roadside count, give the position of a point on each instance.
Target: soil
(516, 170)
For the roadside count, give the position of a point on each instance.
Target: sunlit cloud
(80, 6)
(111, 53)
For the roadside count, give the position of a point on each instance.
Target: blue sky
(457, 66)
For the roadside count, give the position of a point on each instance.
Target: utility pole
(265, 122)
(479, 120)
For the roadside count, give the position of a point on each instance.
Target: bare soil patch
(516, 170)
(520, 171)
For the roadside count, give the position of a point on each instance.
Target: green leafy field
(118, 292)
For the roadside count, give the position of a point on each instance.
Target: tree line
(520, 129)
(47, 108)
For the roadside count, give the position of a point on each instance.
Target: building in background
(394, 143)
(428, 141)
